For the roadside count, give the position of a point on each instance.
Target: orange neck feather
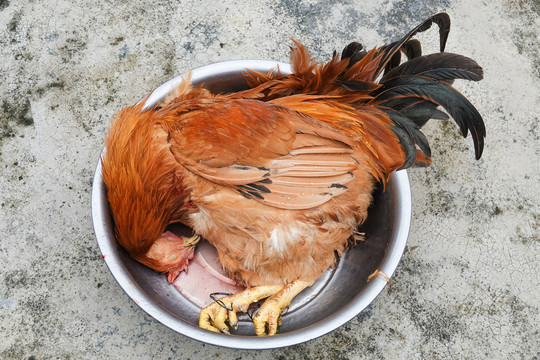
(139, 173)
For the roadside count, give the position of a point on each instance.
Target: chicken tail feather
(438, 93)
(390, 54)
(412, 92)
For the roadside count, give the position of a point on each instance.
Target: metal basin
(338, 296)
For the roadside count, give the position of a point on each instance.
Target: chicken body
(279, 176)
(274, 232)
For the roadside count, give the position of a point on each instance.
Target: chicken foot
(268, 318)
(215, 316)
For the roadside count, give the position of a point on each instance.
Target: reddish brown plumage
(276, 177)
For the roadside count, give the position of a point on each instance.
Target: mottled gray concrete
(468, 285)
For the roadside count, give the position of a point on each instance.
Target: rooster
(278, 177)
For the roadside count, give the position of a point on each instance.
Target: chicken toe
(216, 316)
(268, 318)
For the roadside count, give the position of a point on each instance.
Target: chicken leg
(266, 321)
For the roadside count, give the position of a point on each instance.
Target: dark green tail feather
(443, 94)
(412, 91)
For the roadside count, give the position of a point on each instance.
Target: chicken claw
(215, 316)
(268, 318)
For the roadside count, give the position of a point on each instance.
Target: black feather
(421, 111)
(461, 110)
(439, 115)
(407, 145)
(394, 61)
(411, 129)
(441, 66)
(244, 194)
(257, 195)
(418, 110)
(412, 49)
(351, 49)
(354, 52)
(388, 51)
(399, 103)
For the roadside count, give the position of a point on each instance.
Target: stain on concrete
(525, 29)
(442, 203)
(16, 279)
(70, 51)
(437, 322)
(14, 113)
(55, 85)
(497, 211)
(320, 24)
(4, 4)
(117, 40)
(316, 23)
(343, 347)
(14, 22)
(309, 16)
(528, 236)
(403, 15)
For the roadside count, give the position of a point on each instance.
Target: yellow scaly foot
(268, 318)
(191, 242)
(214, 317)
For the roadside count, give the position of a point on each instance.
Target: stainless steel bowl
(338, 296)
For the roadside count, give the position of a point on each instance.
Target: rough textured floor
(468, 285)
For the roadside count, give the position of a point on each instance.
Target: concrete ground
(468, 285)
